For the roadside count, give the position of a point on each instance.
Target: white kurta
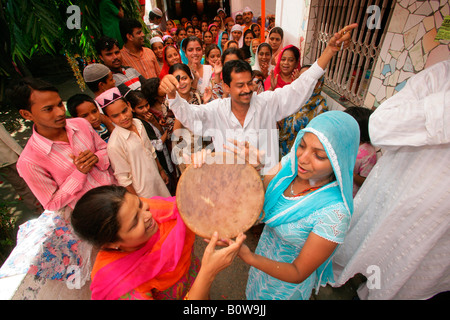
(399, 236)
(133, 161)
(216, 119)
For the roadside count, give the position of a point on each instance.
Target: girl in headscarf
(171, 56)
(223, 37)
(262, 59)
(249, 35)
(286, 70)
(215, 32)
(290, 126)
(253, 48)
(193, 48)
(275, 39)
(236, 35)
(307, 211)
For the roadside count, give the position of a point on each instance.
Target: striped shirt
(49, 171)
(145, 62)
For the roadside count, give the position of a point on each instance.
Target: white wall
(290, 16)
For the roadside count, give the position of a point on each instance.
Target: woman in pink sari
(286, 70)
(146, 251)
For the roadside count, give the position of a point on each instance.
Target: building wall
(408, 47)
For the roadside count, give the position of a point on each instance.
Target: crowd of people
(201, 86)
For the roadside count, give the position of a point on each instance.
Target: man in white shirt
(399, 236)
(246, 116)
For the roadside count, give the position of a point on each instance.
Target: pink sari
(164, 259)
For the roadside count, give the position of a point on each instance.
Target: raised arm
(417, 115)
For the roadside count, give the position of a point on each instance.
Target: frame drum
(219, 196)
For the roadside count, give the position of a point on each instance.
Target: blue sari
(326, 211)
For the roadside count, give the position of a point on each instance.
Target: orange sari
(160, 264)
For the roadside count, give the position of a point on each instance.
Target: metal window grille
(350, 70)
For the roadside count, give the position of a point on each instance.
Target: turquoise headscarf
(184, 59)
(219, 42)
(339, 134)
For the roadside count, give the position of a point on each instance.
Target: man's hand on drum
(247, 152)
(169, 85)
(197, 159)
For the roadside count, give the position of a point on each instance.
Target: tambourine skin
(223, 197)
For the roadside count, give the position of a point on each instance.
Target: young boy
(63, 158)
(83, 106)
(130, 151)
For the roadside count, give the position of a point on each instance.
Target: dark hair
(150, 90)
(191, 39)
(152, 16)
(361, 116)
(181, 66)
(277, 30)
(134, 97)
(236, 66)
(249, 31)
(95, 216)
(189, 27)
(20, 91)
(238, 52)
(264, 44)
(179, 30)
(210, 48)
(207, 31)
(295, 51)
(74, 101)
(105, 43)
(126, 26)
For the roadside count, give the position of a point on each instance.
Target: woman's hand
(218, 67)
(295, 74)
(247, 152)
(207, 95)
(273, 80)
(214, 260)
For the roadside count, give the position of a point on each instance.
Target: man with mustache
(247, 116)
(64, 158)
(134, 53)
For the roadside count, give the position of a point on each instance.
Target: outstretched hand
(213, 260)
(341, 39)
(244, 150)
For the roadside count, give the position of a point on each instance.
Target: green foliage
(39, 27)
(7, 231)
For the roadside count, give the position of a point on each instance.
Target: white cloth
(399, 236)
(216, 119)
(205, 81)
(133, 161)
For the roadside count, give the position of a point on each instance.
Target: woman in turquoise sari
(307, 211)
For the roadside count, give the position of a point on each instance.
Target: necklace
(303, 192)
